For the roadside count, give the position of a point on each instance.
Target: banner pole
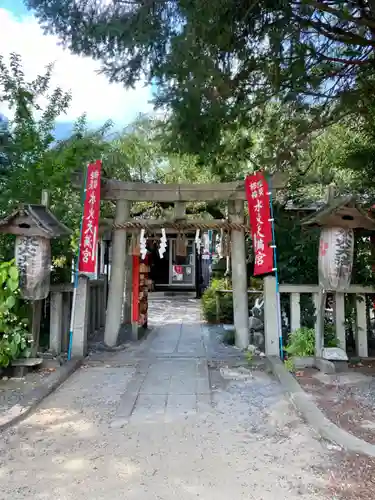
(76, 271)
(278, 306)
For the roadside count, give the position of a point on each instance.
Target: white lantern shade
(336, 251)
(33, 258)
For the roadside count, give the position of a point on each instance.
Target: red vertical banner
(90, 220)
(258, 198)
(135, 290)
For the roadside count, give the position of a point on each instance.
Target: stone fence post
(80, 328)
(271, 334)
(56, 315)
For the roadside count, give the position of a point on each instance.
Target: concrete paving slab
(181, 403)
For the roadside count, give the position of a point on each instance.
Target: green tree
(138, 154)
(34, 160)
(28, 148)
(4, 140)
(216, 64)
(135, 153)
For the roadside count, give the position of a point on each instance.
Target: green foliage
(297, 248)
(31, 160)
(209, 299)
(301, 342)
(289, 365)
(14, 337)
(308, 311)
(249, 357)
(219, 268)
(35, 161)
(135, 153)
(218, 65)
(330, 339)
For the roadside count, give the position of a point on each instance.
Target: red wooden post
(135, 290)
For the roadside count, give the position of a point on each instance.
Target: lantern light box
(338, 219)
(34, 226)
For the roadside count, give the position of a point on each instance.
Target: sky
(91, 93)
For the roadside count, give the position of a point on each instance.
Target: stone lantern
(33, 226)
(338, 219)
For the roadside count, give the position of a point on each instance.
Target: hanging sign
(177, 273)
(260, 220)
(90, 221)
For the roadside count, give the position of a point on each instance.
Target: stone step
(23, 365)
(27, 362)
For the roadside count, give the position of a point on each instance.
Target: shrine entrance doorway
(159, 272)
(173, 271)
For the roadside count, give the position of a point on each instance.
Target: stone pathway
(155, 422)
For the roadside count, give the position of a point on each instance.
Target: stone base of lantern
(333, 360)
(324, 366)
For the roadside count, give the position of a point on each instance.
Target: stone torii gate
(123, 194)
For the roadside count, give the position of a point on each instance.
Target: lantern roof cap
(343, 212)
(44, 220)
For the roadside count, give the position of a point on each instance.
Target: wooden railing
(61, 296)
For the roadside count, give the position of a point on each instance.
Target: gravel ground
(348, 400)
(251, 445)
(351, 477)
(13, 390)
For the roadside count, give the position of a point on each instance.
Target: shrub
(289, 365)
(225, 300)
(301, 342)
(14, 337)
(209, 298)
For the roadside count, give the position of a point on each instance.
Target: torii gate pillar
(117, 281)
(239, 276)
